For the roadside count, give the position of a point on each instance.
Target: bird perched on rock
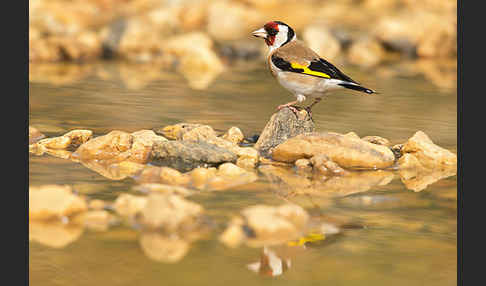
(299, 69)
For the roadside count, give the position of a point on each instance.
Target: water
(400, 237)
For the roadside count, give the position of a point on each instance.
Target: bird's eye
(272, 31)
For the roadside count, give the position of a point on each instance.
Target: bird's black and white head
(276, 34)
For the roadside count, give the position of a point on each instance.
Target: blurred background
(200, 38)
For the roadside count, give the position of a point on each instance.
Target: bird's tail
(357, 87)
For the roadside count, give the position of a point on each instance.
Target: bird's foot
(293, 108)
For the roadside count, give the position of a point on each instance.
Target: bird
(301, 70)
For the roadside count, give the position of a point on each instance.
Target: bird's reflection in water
(270, 264)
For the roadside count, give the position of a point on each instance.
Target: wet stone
(346, 151)
(283, 125)
(185, 156)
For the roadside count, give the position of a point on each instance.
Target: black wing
(318, 67)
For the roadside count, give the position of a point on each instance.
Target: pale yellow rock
(427, 153)
(143, 142)
(61, 142)
(176, 131)
(320, 40)
(230, 170)
(377, 140)
(54, 201)
(246, 162)
(234, 135)
(112, 146)
(34, 135)
(302, 163)
(202, 133)
(366, 52)
(346, 151)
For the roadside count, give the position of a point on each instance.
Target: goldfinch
(299, 69)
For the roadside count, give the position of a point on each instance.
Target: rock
(168, 249)
(198, 63)
(118, 146)
(143, 141)
(322, 41)
(282, 126)
(70, 140)
(347, 152)
(324, 165)
(200, 133)
(186, 156)
(54, 201)
(112, 147)
(377, 140)
(247, 157)
(246, 162)
(428, 154)
(230, 170)
(234, 135)
(366, 52)
(303, 163)
(170, 212)
(127, 205)
(176, 131)
(436, 38)
(237, 18)
(34, 135)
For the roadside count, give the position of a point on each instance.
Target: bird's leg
(309, 108)
(291, 106)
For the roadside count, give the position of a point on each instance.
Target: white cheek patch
(281, 37)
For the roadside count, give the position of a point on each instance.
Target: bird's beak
(261, 33)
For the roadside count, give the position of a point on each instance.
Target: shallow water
(400, 237)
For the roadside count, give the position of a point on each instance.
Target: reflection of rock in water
(270, 264)
(54, 234)
(158, 247)
(289, 182)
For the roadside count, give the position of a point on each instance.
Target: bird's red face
(272, 30)
(275, 33)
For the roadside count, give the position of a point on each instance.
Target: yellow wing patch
(308, 71)
(311, 237)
